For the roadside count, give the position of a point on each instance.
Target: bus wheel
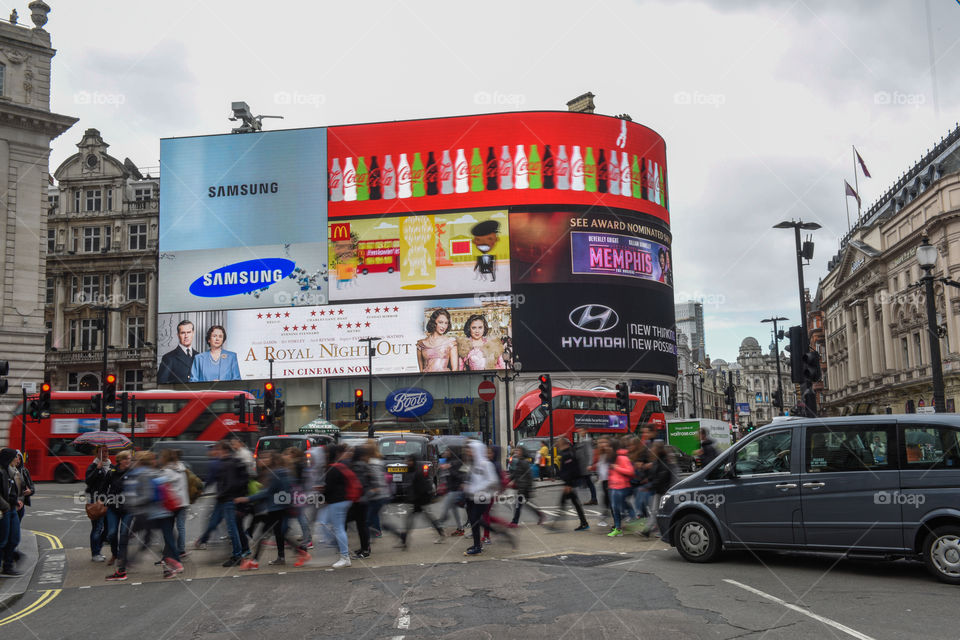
(64, 474)
(365, 272)
(390, 270)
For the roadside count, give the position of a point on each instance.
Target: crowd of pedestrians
(282, 499)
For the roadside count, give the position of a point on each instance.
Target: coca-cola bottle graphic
(404, 186)
(601, 171)
(373, 178)
(476, 171)
(562, 169)
(590, 171)
(534, 168)
(520, 169)
(548, 168)
(491, 170)
(388, 178)
(654, 182)
(613, 173)
(461, 173)
(445, 178)
(431, 175)
(349, 180)
(644, 179)
(506, 168)
(635, 179)
(576, 169)
(417, 176)
(626, 176)
(335, 182)
(363, 187)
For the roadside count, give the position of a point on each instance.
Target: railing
(96, 355)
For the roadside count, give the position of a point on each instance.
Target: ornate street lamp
(927, 259)
(509, 374)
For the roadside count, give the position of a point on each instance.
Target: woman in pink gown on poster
(477, 351)
(438, 351)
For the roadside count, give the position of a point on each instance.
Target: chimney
(582, 103)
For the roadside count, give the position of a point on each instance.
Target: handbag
(95, 510)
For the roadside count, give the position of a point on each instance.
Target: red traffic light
(45, 387)
(544, 378)
(268, 386)
(358, 393)
(111, 378)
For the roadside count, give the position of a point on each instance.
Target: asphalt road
(552, 594)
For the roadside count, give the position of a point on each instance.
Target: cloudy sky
(759, 102)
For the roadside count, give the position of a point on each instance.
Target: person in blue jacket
(216, 363)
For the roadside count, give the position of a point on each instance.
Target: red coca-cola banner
(496, 160)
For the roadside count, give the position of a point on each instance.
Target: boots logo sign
(409, 403)
(595, 318)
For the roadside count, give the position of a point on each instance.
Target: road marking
(39, 603)
(54, 541)
(793, 607)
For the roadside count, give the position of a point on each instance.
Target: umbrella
(112, 440)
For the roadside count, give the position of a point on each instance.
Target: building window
(53, 202)
(73, 381)
(906, 353)
(93, 200)
(107, 237)
(143, 194)
(916, 341)
(48, 342)
(136, 330)
(109, 199)
(51, 240)
(138, 237)
(51, 289)
(90, 289)
(137, 286)
(89, 331)
(76, 201)
(91, 239)
(133, 380)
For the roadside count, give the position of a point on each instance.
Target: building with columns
(758, 372)
(101, 255)
(874, 314)
(26, 128)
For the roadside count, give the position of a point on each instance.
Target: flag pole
(846, 201)
(856, 182)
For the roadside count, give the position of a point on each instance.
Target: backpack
(166, 496)
(354, 489)
(194, 486)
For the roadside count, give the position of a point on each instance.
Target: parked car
(395, 448)
(193, 453)
(884, 486)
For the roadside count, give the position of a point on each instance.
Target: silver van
(885, 486)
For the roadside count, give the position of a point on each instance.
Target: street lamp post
(369, 342)
(509, 374)
(776, 339)
(804, 250)
(693, 390)
(927, 259)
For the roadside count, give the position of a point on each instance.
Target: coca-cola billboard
(558, 158)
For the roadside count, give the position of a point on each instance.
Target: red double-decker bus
(595, 410)
(377, 256)
(170, 415)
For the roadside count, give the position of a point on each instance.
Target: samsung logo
(242, 277)
(230, 190)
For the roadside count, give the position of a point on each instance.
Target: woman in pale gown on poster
(477, 351)
(438, 351)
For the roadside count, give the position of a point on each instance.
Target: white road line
(793, 607)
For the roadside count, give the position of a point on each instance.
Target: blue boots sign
(410, 402)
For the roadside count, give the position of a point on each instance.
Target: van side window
(848, 448)
(931, 447)
(769, 453)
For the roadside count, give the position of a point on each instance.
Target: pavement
(11, 589)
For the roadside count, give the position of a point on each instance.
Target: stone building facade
(875, 320)
(26, 128)
(102, 253)
(759, 374)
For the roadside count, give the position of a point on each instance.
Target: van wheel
(696, 539)
(941, 553)
(64, 474)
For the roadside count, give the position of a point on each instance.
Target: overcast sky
(759, 102)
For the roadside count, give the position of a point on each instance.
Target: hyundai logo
(594, 318)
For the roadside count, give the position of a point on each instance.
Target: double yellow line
(45, 596)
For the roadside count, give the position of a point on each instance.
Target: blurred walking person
(420, 493)
(570, 474)
(521, 480)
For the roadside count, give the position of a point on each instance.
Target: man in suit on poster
(176, 364)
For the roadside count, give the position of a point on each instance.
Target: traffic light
(359, 409)
(44, 399)
(811, 366)
(34, 409)
(269, 397)
(778, 398)
(546, 390)
(731, 395)
(279, 407)
(110, 390)
(95, 403)
(124, 406)
(4, 372)
(797, 347)
(240, 407)
(623, 397)
(141, 414)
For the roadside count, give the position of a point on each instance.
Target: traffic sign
(487, 391)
